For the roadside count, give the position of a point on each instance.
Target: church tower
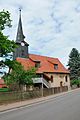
(22, 46)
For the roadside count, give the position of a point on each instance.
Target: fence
(7, 97)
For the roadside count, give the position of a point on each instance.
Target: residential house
(2, 84)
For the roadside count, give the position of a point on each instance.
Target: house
(2, 84)
(50, 71)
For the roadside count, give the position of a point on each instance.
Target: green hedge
(4, 89)
(75, 82)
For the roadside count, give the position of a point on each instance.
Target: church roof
(20, 36)
(46, 64)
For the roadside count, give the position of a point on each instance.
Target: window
(61, 76)
(61, 84)
(37, 64)
(66, 78)
(51, 78)
(55, 66)
(22, 52)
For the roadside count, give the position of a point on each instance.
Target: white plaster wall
(57, 78)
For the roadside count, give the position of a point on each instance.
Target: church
(50, 71)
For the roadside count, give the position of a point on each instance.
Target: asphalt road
(64, 107)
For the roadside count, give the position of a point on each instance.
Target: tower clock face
(22, 44)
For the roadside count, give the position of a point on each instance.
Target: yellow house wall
(57, 78)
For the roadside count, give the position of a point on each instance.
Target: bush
(75, 82)
(4, 89)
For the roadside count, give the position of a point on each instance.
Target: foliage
(75, 82)
(4, 89)
(6, 46)
(11, 64)
(74, 64)
(18, 75)
(15, 73)
(4, 20)
(29, 74)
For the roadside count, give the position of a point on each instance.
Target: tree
(11, 64)
(5, 20)
(75, 82)
(6, 45)
(74, 64)
(18, 75)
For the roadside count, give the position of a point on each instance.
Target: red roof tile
(46, 63)
(1, 81)
(26, 62)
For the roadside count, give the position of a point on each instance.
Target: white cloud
(51, 27)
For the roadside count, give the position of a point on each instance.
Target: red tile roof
(26, 62)
(1, 81)
(2, 84)
(46, 63)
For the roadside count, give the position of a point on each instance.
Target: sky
(51, 27)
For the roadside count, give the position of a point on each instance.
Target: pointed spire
(20, 37)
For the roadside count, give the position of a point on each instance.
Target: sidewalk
(10, 106)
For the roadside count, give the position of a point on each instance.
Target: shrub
(75, 82)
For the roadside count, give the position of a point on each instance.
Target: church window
(22, 52)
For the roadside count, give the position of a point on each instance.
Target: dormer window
(55, 66)
(37, 64)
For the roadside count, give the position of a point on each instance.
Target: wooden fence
(7, 97)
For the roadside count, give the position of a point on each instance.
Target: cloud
(51, 27)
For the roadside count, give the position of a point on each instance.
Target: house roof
(46, 64)
(1, 81)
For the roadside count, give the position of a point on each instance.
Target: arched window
(61, 84)
(66, 78)
(22, 52)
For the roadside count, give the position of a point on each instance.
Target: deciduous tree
(18, 75)
(6, 45)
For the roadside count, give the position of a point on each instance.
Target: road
(64, 107)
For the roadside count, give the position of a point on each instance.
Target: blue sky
(51, 27)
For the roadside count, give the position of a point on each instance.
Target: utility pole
(42, 86)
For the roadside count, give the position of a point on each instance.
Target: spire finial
(20, 10)
(20, 35)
